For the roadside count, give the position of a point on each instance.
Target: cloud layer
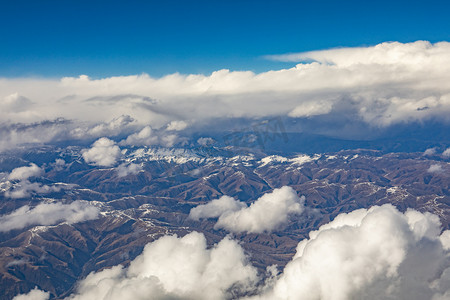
(48, 214)
(382, 85)
(271, 211)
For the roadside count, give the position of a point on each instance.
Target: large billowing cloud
(174, 268)
(48, 214)
(271, 211)
(376, 253)
(381, 85)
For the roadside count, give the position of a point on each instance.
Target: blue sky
(107, 38)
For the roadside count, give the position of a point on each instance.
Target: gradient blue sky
(105, 38)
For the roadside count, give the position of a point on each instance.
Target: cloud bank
(382, 85)
(271, 211)
(48, 214)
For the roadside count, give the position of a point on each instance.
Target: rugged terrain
(140, 207)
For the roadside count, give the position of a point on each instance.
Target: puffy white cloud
(145, 137)
(435, 168)
(216, 208)
(22, 187)
(446, 153)
(113, 128)
(34, 294)
(148, 137)
(25, 188)
(378, 253)
(430, 151)
(177, 125)
(381, 85)
(23, 173)
(205, 141)
(104, 152)
(174, 268)
(48, 214)
(271, 211)
(125, 170)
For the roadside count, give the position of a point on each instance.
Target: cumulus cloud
(174, 268)
(23, 173)
(149, 137)
(113, 128)
(128, 169)
(34, 294)
(216, 208)
(446, 153)
(21, 186)
(430, 151)
(377, 253)
(48, 214)
(382, 85)
(25, 188)
(435, 168)
(177, 125)
(271, 211)
(104, 152)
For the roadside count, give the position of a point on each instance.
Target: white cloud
(148, 137)
(382, 85)
(205, 141)
(430, 151)
(104, 152)
(216, 208)
(174, 268)
(15, 103)
(177, 125)
(377, 253)
(446, 153)
(22, 187)
(48, 214)
(314, 108)
(145, 137)
(34, 294)
(435, 168)
(113, 128)
(271, 211)
(23, 173)
(125, 170)
(26, 188)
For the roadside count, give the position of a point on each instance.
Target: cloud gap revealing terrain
(328, 180)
